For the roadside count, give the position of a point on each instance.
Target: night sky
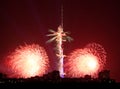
(28, 21)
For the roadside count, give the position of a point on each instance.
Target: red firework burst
(28, 61)
(87, 61)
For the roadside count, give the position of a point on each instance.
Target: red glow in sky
(87, 20)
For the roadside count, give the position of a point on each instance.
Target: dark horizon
(53, 80)
(28, 21)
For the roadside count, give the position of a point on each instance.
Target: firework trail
(60, 36)
(27, 61)
(87, 61)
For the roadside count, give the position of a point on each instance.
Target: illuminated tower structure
(59, 37)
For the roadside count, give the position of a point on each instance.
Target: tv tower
(59, 37)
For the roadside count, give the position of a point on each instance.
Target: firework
(60, 36)
(27, 61)
(87, 61)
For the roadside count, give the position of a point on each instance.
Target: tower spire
(62, 15)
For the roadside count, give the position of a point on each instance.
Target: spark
(87, 61)
(59, 37)
(27, 61)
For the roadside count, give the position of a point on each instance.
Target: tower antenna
(62, 15)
